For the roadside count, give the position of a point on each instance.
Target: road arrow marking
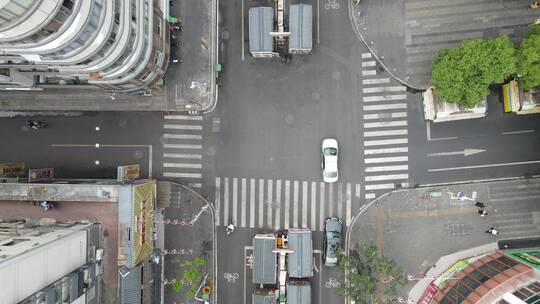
(465, 152)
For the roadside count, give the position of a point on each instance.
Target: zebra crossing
(385, 131)
(182, 148)
(283, 204)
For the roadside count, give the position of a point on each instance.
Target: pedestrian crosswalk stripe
(243, 206)
(387, 168)
(385, 142)
(370, 195)
(386, 159)
(384, 124)
(181, 155)
(375, 81)
(226, 218)
(182, 175)
(181, 146)
(386, 177)
(369, 72)
(252, 203)
(379, 187)
(287, 202)
(385, 133)
(269, 202)
(331, 199)
(278, 205)
(385, 115)
(235, 201)
(384, 89)
(366, 55)
(182, 136)
(177, 165)
(304, 204)
(386, 151)
(184, 117)
(384, 97)
(295, 204)
(323, 201)
(340, 200)
(217, 200)
(182, 127)
(260, 223)
(194, 185)
(348, 203)
(385, 107)
(368, 63)
(313, 205)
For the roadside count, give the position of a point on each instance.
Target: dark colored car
(332, 240)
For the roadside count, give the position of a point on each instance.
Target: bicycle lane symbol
(332, 283)
(231, 277)
(331, 4)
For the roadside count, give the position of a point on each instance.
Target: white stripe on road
(331, 199)
(376, 81)
(304, 203)
(369, 72)
(385, 115)
(183, 127)
(368, 63)
(385, 133)
(226, 218)
(183, 117)
(486, 166)
(384, 89)
(384, 142)
(181, 146)
(217, 199)
(243, 206)
(386, 159)
(384, 97)
(260, 223)
(390, 106)
(313, 206)
(366, 55)
(295, 204)
(379, 186)
(252, 203)
(179, 155)
(182, 175)
(340, 200)
(386, 177)
(348, 198)
(286, 214)
(270, 203)
(278, 205)
(357, 191)
(182, 136)
(370, 195)
(382, 124)
(235, 201)
(387, 168)
(176, 165)
(322, 207)
(386, 151)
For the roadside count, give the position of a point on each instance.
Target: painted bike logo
(331, 4)
(332, 283)
(231, 277)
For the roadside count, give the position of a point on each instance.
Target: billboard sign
(530, 257)
(12, 169)
(127, 173)
(37, 175)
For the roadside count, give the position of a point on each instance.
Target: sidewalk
(189, 235)
(426, 230)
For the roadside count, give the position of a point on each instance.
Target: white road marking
(375, 81)
(287, 203)
(217, 199)
(226, 218)
(369, 72)
(243, 205)
(391, 106)
(178, 155)
(182, 175)
(182, 127)
(357, 191)
(385, 142)
(386, 177)
(368, 64)
(386, 151)
(183, 117)
(486, 166)
(340, 200)
(243, 35)
(304, 203)
(235, 201)
(384, 89)
(370, 195)
(384, 98)
(295, 204)
(182, 136)
(252, 203)
(385, 133)
(322, 208)
(270, 203)
(380, 187)
(387, 168)
(313, 205)
(518, 132)
(331, 199)
(383, 124)
(260, 223)
(181, 146)
(366, 55)
(465, 152)
(386, 159)
(177, 165)
(348, 199)
(385, 115)
(278, 205)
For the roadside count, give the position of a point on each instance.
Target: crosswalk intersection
(283, 204)
(182, 148)
(385, 131)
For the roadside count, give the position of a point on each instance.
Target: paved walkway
(405, 223)
(405, 35)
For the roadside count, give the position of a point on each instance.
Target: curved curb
(215, 60)
(359, 35)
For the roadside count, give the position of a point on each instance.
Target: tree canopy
(528, 59)
(372, 278)
(463, 74)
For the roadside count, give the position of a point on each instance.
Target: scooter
(34, 124)
(230, 228)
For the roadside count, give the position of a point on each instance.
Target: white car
(329, 160)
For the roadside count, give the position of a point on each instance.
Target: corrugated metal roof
(301, 27)
(261, 20)
(298, 294)
(264, 260)
(130, 287)
(300, 262)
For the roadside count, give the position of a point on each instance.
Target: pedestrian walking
(493, 231)
(480, 205)
(482, 212)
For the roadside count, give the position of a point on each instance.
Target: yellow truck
(519, 101)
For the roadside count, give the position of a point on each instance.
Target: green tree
(371, 278)
(528, 59)
(191, 276)
(463, 74)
